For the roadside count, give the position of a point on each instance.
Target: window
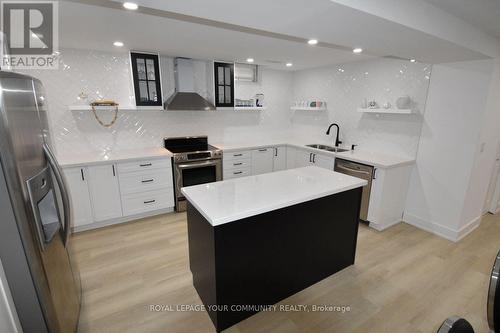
(224, 84)
(146, 76)
(245, 72)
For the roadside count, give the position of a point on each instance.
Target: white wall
(345, 87)
(443, 183)
(107, 75)
(493, 205)
(487, 151)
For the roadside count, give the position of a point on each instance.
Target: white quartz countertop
(235, 199)
(96, 158)
(376, 159)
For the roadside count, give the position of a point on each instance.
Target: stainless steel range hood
(185, 98)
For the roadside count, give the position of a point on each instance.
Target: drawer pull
(237, 164)
(148, 181)
(263, 149)
(149, 201)
(237, 172)
(145, 165)
(237, 155)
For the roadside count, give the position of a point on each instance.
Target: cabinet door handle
(237, 164)
(310, 157)
(276, 152)
(237, 172)
(148, 181)
(237, 155)
(314, 158)
(149, 201)
(263, 149)
(114, 173)
(145, 165)
(83, 175)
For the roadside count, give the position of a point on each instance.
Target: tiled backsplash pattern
(107, 75)
(346, 86)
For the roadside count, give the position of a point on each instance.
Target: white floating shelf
(249, 108)
(307, 108)
(387, 111)
(120, 108)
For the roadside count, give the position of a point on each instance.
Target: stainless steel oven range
(194, 162)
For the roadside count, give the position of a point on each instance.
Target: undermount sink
(327, 148)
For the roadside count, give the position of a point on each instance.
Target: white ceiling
(271, 32)
(484, 14)
(96, 28)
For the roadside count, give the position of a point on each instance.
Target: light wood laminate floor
(404, 280)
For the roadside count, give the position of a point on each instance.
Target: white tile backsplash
(345, 87)
(107, 75)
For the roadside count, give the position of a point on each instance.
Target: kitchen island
(256, 240)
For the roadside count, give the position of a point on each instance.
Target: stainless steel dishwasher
(362, 171)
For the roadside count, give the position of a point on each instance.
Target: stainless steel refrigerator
(35, 214)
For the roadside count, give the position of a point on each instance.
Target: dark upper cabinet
(224, 84)
(146, 76)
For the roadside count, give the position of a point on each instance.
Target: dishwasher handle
(341, 167)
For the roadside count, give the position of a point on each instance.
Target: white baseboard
(469, 227)
(440, 230)
(379, 227)
(119, 220)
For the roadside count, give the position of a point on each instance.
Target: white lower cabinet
(237, 173)
(279, 158)
(146, 201)
(237, 164)
(262, 160)
(81, 207)
(325, 162)
(290, 157)
(114, 193)
(254, 162)
(105, 192)
(305, 158)
(388, 196)
(269, 159)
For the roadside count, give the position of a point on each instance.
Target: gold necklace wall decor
(104, 103)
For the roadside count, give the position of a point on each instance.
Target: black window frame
(217, 65)
(135, 75)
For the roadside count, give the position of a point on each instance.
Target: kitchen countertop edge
(98, 158)
(349, 155)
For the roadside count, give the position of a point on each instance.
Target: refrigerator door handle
(63, 189)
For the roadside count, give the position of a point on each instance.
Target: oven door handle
(197, 164)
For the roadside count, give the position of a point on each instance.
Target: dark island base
(261, 260)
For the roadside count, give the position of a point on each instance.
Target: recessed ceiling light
(118, 44)
(250, 60)
(130, 5)
(413, 60)
(312, 41)
(288, 64)
(357, 50)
